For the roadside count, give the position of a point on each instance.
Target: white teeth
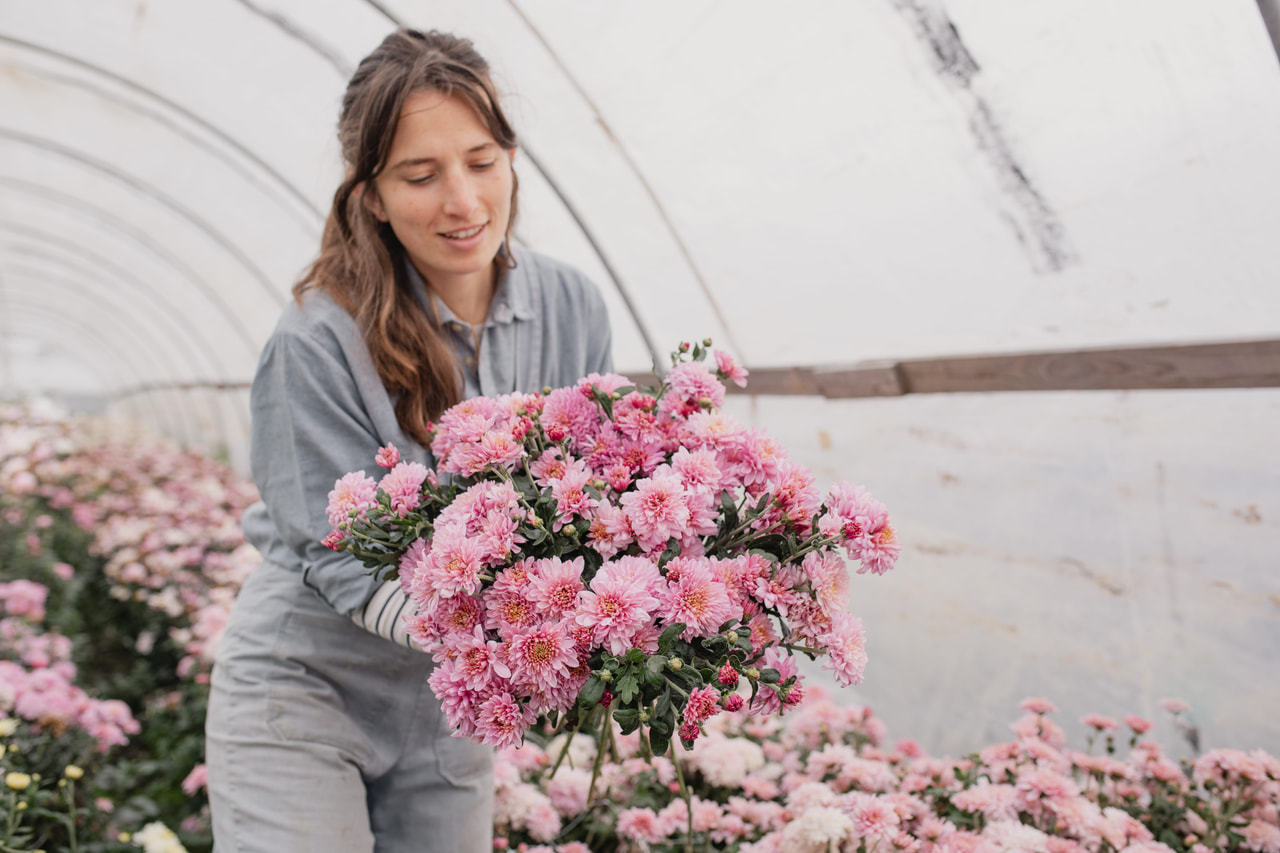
(462, 235)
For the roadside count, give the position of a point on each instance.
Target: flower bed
(118, 566)
(108, 617)
(824, 778)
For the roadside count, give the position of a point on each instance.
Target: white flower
(816, 831)
(157, 838)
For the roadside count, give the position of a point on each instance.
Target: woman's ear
(369, 198)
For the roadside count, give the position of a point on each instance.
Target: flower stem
(685, 795)
(70, 792)
(606, 723)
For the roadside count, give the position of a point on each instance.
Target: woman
(322, 732)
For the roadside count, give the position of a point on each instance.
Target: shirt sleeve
(310, 427)
(600, 343)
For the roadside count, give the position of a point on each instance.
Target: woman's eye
(482, 166)
(420, 180)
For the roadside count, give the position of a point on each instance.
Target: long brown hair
(361, 262)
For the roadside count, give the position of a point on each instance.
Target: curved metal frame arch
(102, 344)
(136, 326)
(177, 109)
(213, 409)
(139, 326)
(114, 224)
(148, 191)
(177, 319)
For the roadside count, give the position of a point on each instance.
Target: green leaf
(592, 692)
(659, 742)
(627, 688)
(669, 636)
(635, 656)
(627, 718)
(769, 675)
(673, 551)
(662, 708)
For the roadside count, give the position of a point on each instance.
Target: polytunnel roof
(810, 184)
(908, 184)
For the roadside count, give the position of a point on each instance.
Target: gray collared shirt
(319, 409)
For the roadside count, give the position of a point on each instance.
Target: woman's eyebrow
(418, 161)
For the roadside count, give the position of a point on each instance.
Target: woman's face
(446, 190)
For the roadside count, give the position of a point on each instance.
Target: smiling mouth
(464, 233)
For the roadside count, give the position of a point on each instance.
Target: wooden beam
(1241, 364)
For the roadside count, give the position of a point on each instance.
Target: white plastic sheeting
(810, 183)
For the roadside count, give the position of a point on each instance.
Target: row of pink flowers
(37, 678)
(166, 522)
(825, 778)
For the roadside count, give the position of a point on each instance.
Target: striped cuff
(384, 615)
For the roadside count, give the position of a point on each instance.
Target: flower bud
(675, 664)
(752, 673)
(17, 781)
(706, 342)
(73, 772)
(684, 346)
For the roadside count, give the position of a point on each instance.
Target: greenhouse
(1008, 267)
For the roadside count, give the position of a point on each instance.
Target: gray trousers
(324, 737)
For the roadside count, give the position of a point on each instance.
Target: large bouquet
(604, 550)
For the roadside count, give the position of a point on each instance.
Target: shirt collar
(510, 302)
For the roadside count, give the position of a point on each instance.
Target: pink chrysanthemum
(352, 493)
(1036, 705)
(459, 614)
(387, 456)
(452, 567)
(846, 645)
(507, 610)
(691, 387)
(1099, 722)
(610, 532)
(879, 551)
(656, 511)
(572, 499)
(640, 824)
(495, 449)
(703, 703)
(698, 470)
(541, 656)
(475, 660)
(729, 369)
(573, 414)
(551, 465)
(695, 598)
(458, 701)
(619, 603)
(403, 486)
(873, 817)
(501, 721)
(554, 585)
(829, 577)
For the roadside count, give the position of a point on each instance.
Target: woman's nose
(461, 198)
